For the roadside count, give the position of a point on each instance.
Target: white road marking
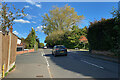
(45, 58)
(47, 64)
(92, 64)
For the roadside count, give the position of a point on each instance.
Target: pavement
(30, 65)
(43, 64)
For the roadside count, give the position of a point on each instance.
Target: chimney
(11, 29)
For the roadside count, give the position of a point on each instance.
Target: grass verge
(9, 70)
(6, 73)
(12, 68)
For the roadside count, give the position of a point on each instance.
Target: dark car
(59, 50)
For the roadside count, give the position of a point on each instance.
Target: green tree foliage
(37, 40)
(116, 15)
(41, 44)
(36, 46)
(30, 41)
(7, 16)
(55, 38)
(60, 19)
(69, 38)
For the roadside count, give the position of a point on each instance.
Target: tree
(7, 17)
(60, 19)
(41, 44)
(55, 38)
(116, 15)
(69, 38)
(83, 40)
(37, 40)
(31, 39)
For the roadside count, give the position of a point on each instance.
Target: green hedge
(104, 35)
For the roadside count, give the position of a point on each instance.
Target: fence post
(9, 52)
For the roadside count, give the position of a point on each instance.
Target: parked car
(45, 47)
(59, 50)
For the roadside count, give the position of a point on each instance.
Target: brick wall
(26, 51)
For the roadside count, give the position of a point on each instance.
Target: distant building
(20, 46)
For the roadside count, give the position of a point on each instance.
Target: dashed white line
(92, 64)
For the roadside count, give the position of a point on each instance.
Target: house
(20, 46)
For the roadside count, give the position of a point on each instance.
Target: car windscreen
(60, 47)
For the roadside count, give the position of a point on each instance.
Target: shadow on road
(77, 66)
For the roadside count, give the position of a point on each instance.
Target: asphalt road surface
(43, 64)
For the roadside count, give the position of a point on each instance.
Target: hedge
(104, 35)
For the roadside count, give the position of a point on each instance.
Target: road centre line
(92, 64)
(47, 64)
(45, 58)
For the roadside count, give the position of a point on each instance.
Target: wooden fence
(8, 50)
(0, 54)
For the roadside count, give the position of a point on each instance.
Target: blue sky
(34, 11)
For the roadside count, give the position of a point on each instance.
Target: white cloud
(26, 6)
(38, 5)
(39, 28)
(30, 1)
(24, 35)
(15, 32)
(33, 22)
(30, 16)
(34, 3)
(21, 21)
(43, 26)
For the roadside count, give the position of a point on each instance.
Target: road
(43, 64)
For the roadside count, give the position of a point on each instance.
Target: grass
(6, 73)
(9, 70)
(12, 68)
